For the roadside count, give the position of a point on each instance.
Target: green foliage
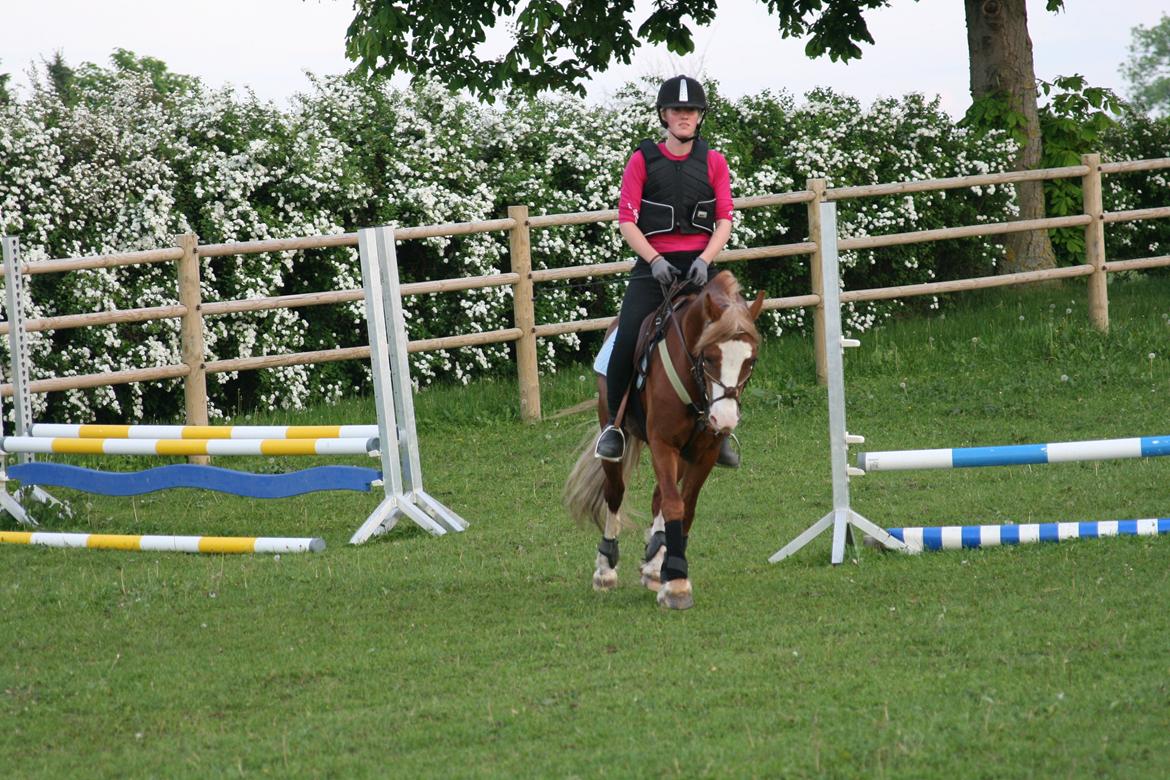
(1073, 121)
(1137, 136)
(1148, 68)
(993, 112)
(555, 47)
(774, 145)
(5, 94)
(95, 80)
(61, 79)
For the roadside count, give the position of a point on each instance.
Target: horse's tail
(584, 494)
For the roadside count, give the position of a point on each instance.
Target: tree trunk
(1000, 53)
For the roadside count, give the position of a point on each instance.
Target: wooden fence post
(817, 281)
(1095, 243)
(191, 333)
(524, 312)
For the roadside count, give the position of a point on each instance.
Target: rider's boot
(611, 444)
(728, 456)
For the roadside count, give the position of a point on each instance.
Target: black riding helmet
(682, 92)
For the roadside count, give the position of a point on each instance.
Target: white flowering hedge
(133, 161)
(1138, 137)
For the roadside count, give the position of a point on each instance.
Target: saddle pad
(601, 363)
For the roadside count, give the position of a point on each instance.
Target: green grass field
(487, 653)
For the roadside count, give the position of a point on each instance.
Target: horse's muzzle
(724, 415)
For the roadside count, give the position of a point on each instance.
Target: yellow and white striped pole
(187, 544)
(71, 431)
(76, 446)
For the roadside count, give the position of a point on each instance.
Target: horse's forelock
(734, 321)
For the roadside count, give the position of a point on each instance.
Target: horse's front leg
(655, 545)
(605, 576)
(694, 476)
(675, 592)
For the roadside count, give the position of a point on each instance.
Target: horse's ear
(757, 305)
(714, 311)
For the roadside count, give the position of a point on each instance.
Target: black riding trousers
(643, 297)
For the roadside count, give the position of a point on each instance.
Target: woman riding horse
(675, 213)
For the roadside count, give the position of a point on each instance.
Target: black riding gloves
(663, 272)
(697, 275)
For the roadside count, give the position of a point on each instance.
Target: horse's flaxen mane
(735, 321)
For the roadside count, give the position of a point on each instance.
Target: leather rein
(698, 369)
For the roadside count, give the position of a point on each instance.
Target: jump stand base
(419, 506)
(841, 520)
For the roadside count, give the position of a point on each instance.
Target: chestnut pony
(712, 346)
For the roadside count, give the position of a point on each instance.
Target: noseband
(700, 372)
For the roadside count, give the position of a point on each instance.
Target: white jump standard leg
(842, 516)
(393, 395)
(18, 370)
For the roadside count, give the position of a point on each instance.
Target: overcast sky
(268, 44)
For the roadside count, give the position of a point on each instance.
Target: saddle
(632, 415)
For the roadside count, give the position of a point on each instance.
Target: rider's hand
(663, 272)
(697, 275)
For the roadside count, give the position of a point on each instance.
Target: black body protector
(677, 195)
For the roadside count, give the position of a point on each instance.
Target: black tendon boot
(675, 592)
(674, 566)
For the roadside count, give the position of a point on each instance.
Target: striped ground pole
(955, 537)
(187, 544)
(44, 445)
(1014, 454)
(54, 430)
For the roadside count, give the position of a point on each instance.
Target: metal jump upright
(394, 397)
(842, 516)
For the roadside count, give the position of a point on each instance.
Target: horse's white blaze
(725, 412)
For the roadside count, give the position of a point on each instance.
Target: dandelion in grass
(1021, 318)
(1064, 377)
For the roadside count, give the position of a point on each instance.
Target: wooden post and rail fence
(523, 278)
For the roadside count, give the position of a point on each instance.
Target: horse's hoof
(652, 573)
(605, 580)
(676, 594)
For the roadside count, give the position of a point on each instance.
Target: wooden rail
(522, 277)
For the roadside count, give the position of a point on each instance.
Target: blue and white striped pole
(955, 537)
(1015, 454)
